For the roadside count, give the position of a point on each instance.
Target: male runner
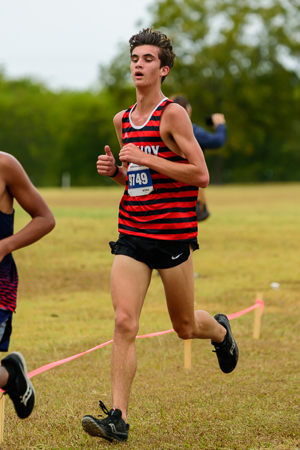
(14, 183)
(162, 168)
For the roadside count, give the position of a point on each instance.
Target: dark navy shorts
(5, 329)
(157, 254)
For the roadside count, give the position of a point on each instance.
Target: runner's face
(145, 66)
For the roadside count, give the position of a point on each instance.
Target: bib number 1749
(139, 180)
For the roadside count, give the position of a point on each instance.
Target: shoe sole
(93, 429)
(23, 368)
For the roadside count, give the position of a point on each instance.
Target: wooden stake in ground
(188, 354)
(257, 317)
(1, 416)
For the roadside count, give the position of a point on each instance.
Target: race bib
(139, 180)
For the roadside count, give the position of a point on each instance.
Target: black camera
(209, 121)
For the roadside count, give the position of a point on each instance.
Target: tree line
(238, 57)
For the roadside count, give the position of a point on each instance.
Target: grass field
(64, 308)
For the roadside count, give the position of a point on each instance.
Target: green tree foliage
(242, 58)
(52, 133)
(239, 57)
(87, 128)
(26, 130)
(116, 79)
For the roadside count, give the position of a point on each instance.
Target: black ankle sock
(221, 344)
(11, 375)
(224, 341)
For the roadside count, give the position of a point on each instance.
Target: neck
(148, 98)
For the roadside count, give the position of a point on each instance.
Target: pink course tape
(62, 361)
(258, 303)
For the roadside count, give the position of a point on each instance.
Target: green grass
(64, 308)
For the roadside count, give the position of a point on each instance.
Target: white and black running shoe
(113, 427)
(19, 389)
(227, 351)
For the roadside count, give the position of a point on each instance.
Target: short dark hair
(181, 100)
(150, 36)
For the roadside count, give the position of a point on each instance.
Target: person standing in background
(206, 140)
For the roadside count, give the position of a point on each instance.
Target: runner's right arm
(106, 164)
(16, 181)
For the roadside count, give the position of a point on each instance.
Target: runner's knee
(183, 330)
(126, 325)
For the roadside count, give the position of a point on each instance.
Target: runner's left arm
(177, 133)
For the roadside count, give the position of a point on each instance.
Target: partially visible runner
(206, 140)
(162, 168)
(15, 184)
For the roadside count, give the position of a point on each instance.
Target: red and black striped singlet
(8, 271)
(169, 211)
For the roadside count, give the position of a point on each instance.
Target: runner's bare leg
(130, 280)
(179, 289)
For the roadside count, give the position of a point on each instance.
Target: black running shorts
(157, 254)
(5, 329)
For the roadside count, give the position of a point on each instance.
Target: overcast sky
(62, 42)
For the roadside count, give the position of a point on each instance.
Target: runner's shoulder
(175, 115)
(9, 165)
(174, 110)
(117, 120)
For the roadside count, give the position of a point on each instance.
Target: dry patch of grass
(64, 308)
